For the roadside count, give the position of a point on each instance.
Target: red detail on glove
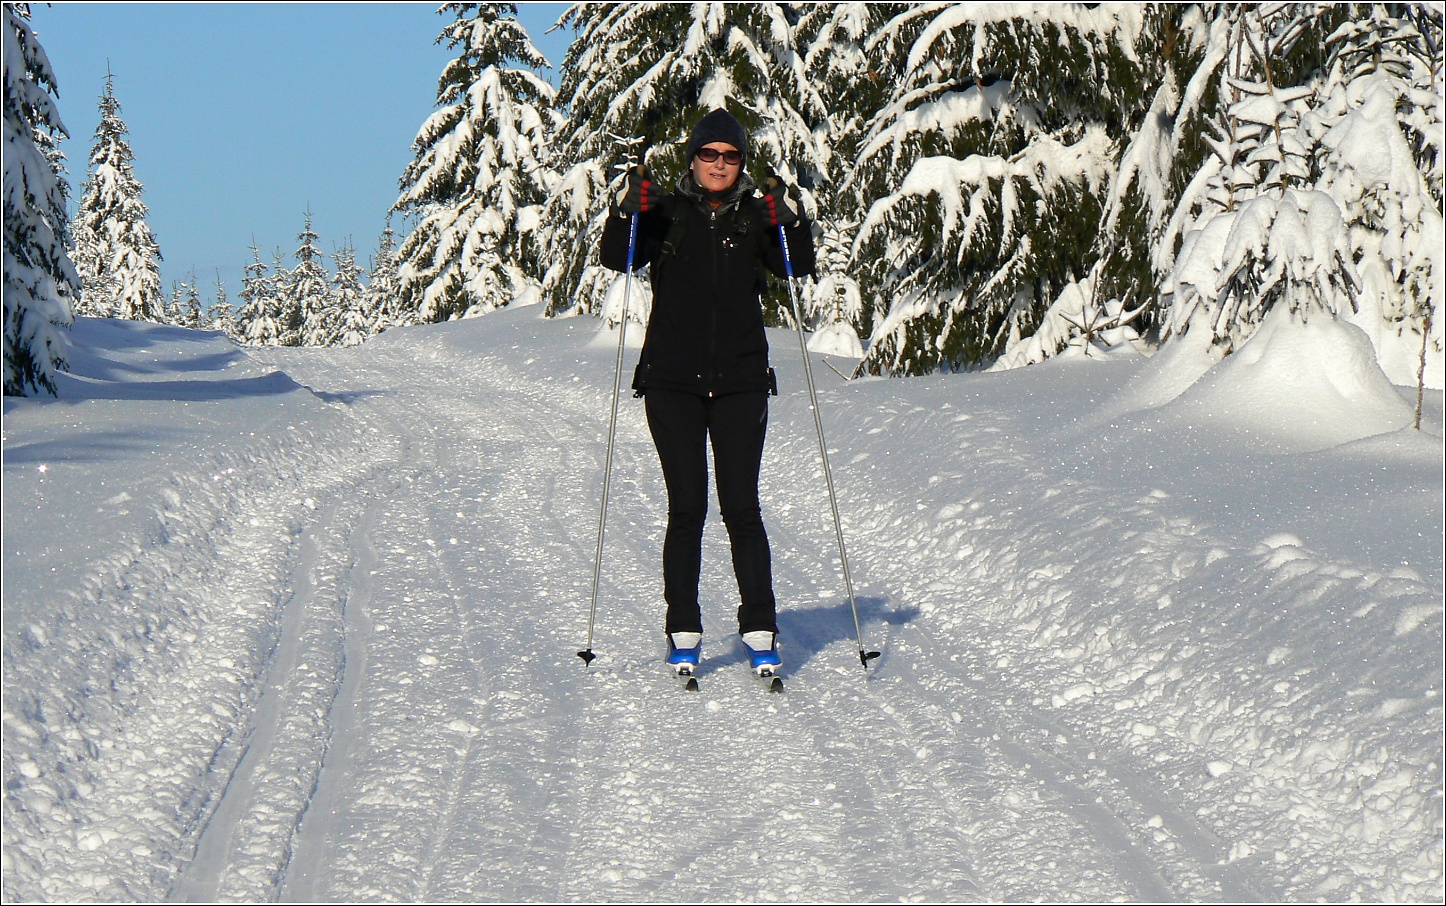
(772, 211)
(646, 185)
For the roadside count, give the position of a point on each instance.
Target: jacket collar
(688, 187)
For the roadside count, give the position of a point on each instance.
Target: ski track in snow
(1064, 709)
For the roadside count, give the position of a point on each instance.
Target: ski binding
(685, 672)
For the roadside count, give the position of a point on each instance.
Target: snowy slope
(301, 624)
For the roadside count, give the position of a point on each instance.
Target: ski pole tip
(587, 656)
(866, 656)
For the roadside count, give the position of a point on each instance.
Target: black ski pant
(682, 425)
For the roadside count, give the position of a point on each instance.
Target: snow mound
(836, 339)
(1294, 386)
(607, 335)
(1168, 373)
(639, 300)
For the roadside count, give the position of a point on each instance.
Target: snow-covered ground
(302, 624)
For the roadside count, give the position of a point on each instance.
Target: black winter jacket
(705, 334)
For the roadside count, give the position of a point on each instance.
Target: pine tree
(850, 92)
(348, 297)
(288, 313)
(116, 251)
(258, 321)
(173, 306)
(220, 315)
(308, 317)
(49, 145)
(632, 95)
(1379, 150)
(39, 275)
(986, 165)
(383, 294)
(1258, 233)
(834, 301)
(187, 308)
(480, 175)
(1182, 47)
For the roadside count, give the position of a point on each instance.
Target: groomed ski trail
(471, 755)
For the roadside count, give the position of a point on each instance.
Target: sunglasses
(709, 155)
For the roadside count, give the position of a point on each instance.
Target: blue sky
(242, 115)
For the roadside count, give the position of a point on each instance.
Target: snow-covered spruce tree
(348, 297)
(480, 175)
(306, 296)
(49, 145)
(185, 307)
(258, 321)
(384, 300)
(172, 308)
(116, 252)
(1116, 300)
(835, 303)
(1379, 125)
(1258, 233)
(635, 80)
(986, 166)
(39, 274)
(220, 315)
(288, 312)
(851, 92)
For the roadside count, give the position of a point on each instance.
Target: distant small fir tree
(220, 315)
(258, 321)
(384, 305)
(191, 314)
(306, 299)
(348, 300)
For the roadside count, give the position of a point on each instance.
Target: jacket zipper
(713, 308)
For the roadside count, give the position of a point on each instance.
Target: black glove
(638, 193)
(782, 203)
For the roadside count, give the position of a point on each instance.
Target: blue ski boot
(685, 649)
(763, 653)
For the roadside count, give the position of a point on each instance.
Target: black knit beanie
(718, 126)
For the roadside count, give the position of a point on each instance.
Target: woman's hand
(638, 193)
(783, 203)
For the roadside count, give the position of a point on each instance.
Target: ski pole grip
(773, 183)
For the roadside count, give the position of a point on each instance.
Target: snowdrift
(1291, 388)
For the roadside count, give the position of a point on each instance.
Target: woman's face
(718, 176)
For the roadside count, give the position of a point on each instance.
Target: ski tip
(587, 656)
(776, 685)
(692, 685)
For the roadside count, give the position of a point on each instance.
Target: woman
(703, 372)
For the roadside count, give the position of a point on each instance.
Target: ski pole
(602, 519)
(864, 656)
